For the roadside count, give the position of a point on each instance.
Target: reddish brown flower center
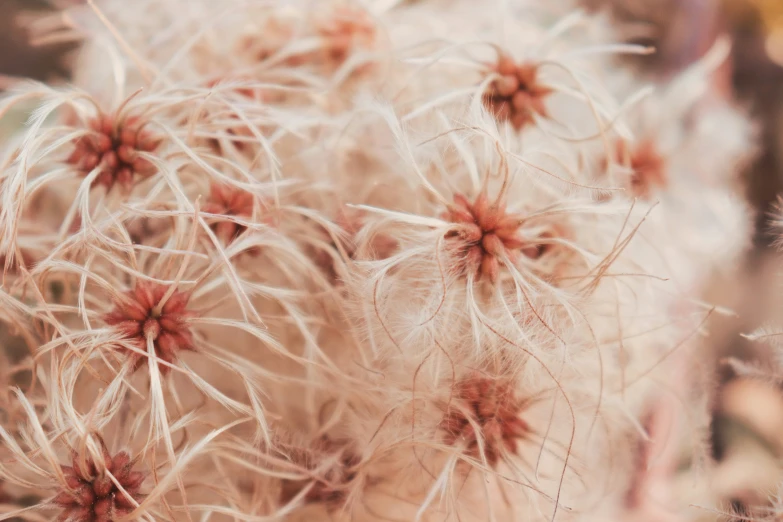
(91, 494)
(516, 95)
(139, 316)
(229, 201)
(487, 234)
(648, 166)
(344, 30)
(114, 147)
(488, 411)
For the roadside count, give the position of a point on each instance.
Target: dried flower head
(486, 234)
(114, 145)
(157, 312)
(332, 466)
(228, 201)
(344, 30)
(648, 166)
(490, 407)
(516, 95)
(358, 322)
(92, 495)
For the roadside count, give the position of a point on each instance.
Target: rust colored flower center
(346, 29)
(487, 234)
(139, 317)
(92, 496)
(493, 409)
(647, 165)
(115, 149)
(517, 95)
(228, 201)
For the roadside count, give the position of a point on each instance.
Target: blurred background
(747, 430)
(747, 426)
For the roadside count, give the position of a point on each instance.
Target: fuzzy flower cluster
(339, 260)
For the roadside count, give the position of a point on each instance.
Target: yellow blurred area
(769, 14)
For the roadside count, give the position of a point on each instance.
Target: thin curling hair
(342, 260)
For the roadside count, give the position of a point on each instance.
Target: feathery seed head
(114, 146)
(273, 95)
(485, 234)
(345, 29)
(228, 201)
(143, 314)
(648, 166)
(92, 496)
(493, 409)
(517, 94)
